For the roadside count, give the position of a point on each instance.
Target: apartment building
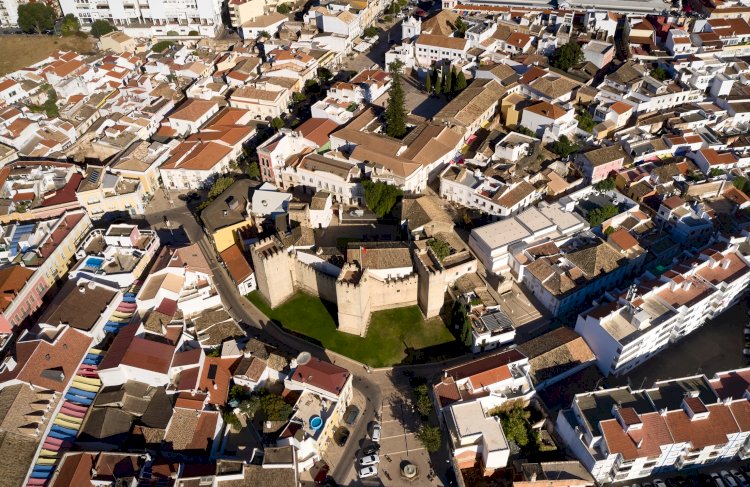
(657, 311)
(677, 425)
(148, 18)
(566, 275)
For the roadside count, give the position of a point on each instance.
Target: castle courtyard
(395, 336)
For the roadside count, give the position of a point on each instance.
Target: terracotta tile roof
(12, 280)
(237, 264)
(548, 110)
(673, 202)
(490, 377)
(712, 430)
(215, 377)
(620, 107)
(441, 41)
(323, 375)
(446, 391)
(623, 239)
(49, 364)
(643, 442)
(197, 156)
(127, 349)
(731, 384)
(715, 158)
(482, 364)
(317, 130)
(189, 431)
(193, 109)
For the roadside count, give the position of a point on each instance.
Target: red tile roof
(323, 375)
(642, 442)
(712, 430)
(127, 349)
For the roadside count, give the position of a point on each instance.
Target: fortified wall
(355, 291)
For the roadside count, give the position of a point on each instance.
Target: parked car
(450, 478)
(729, 479)
(376, 432)
(371, 449)
(351, 415)
(740, 477)
(659, 483)
(341, 435)
(369, 460)
(717, 480)
(369, 471)
(322, 474)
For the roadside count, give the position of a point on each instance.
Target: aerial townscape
(399, 243)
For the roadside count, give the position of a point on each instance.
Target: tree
(36, 17)
(274, 407)
(599, 215)
(430, 437)
(659, 73)
(515, 421)
(298, 97)
(283, 8)
(441, 248)
(605, 184)
(194, 33)
(219, 186)
(231, 419)
(172, 33)
(70, 25)
(563, 147)
(370, 32)
(423, 402)
(428, 83)
(461, 27)
(395, 112)
(277, 123)
(438, 84)
(101, 27)
(451, 78)
(447, 86)
(567, 56)
(740, 182)
(162, 46)
(253, 170)
(250, 406)
(585, 121)
(460, 82)
(380, 198)
(324, 74)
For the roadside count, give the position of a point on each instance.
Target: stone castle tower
(431, 289)
(273, 271)
(353, 300)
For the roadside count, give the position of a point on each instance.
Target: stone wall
(313, 281)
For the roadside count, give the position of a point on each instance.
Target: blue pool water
(94, 263)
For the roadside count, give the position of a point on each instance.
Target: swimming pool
(93, 263)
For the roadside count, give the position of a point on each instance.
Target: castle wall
(273, 272)
(313, 281)
(393, 293)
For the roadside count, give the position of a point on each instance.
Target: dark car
(322, 474)
(341, 435)
(370, 449)
(351, 415)
(450, 478)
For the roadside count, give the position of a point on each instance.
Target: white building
(430, 49)
(676, 425)
(491, 243)
(474, 433)
(148, 18)
(629, 330)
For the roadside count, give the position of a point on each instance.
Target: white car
(717, 480)
(376, 433)
(369, 460)
(369, 471)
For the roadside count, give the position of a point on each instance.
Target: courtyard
(395, 336)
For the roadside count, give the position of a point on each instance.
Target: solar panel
(93, 177)
(212, 371)
(497, 321)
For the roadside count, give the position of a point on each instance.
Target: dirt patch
(20, 51)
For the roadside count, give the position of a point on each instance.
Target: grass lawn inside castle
(395, 336)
